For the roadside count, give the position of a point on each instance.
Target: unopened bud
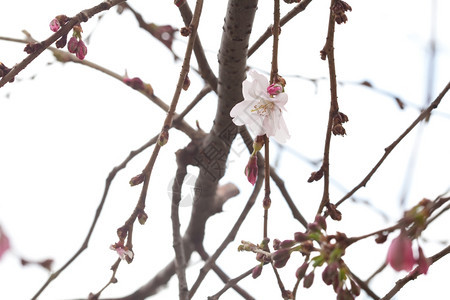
(355, 289)
(186, 83)
(185, 31)
(308, 280)
(163, 137)
(258, 143)
(300, 237)
(276, 244)
(287, 243)
(257, 271)
(333, 212)
(381, 238)
(301, 271)
(142, 217)
(138, 179)
(267, 202)
(338, 129)
(321, 221)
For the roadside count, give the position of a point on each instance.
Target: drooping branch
(83, 16)
(392, 146)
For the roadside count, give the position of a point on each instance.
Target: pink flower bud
(72, 45)
(301, 271)
(251, 170)
(300, 237)
(309, 280)
(81, 50)
(54, 25)
(423, 262)
(274, 89)
(257, 271)
(4, 243)
(400, 254)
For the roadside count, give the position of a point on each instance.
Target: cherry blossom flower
(4, 243)
(400, 254)
(122, 250)
(262, 108)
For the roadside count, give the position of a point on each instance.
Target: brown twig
(231, 235)
(414, 274)
(268, 33)
(392, 146)
(180, 260)
(328, 49)
(230, 283)
(83, 16)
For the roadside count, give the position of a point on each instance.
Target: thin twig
(231, 235)
(180, 261)
(328, 49)
(391, 147)
(224, 277)
(83, 16)
(414, 274)
(230, 284)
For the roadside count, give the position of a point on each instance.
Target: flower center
(263, 108)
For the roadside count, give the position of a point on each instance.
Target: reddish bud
(338, 129)
(32, 47)
(287, 243)
(354, 288)
(381, 238)
(138, 179)
(423, 262)
(333, 212)
(267, 202)
(61, 43)
(178, 3)
(301, 271)
(186, 83)
(329, 273)
(54, 25)
(72, 45)
(81, 50)
(276, 244)
(274, 89)
(321, 221)
(300, 237)
(135, 83)
(308, 280)
(257, 271)
(316, 176)
(4, 243)
(251, 170)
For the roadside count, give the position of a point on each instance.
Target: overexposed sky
(64, 127)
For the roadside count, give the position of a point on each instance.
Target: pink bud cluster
(75, 44)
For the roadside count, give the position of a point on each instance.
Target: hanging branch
(83, 16)
(392, 146)
(328, 51)
(180, 260)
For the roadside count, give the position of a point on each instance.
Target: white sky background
(63, 132)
